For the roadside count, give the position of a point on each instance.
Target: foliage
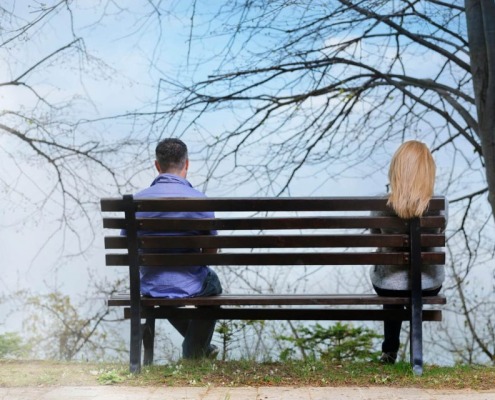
(226, 330)
(12, 345)
(247, 335)
(111, 377)
(339, 342)
(61, 330)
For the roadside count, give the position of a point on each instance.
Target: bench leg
(135, 349)
(148, 340)
(416, 340)
(416, 300)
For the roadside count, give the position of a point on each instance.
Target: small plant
(231, 331)
(111, 377)
(339, 342)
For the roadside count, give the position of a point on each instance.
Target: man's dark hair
(171, 154)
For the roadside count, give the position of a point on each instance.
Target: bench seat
(123, 299)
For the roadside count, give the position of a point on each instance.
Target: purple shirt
(173, 282)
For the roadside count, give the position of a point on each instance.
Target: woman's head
(412, 179)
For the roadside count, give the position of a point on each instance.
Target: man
(172, 164)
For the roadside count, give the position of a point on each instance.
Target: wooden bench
(326, 231)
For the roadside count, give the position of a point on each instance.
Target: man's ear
(183, 173)
(157, 166)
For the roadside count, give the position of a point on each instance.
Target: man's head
(171, 157)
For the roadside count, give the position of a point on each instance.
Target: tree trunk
(480, 16)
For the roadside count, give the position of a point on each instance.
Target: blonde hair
(412, 179)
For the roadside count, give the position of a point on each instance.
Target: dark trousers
(197, 333)
(391, 329)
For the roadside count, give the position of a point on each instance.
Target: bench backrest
(271, 231)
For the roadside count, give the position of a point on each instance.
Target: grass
(245, 373)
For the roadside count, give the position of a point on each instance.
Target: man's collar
(170, 178)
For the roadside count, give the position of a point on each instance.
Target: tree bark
(480, 17)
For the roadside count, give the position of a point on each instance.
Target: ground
(46, 373)
(29, 373)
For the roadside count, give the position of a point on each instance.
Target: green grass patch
(316, 373)
(246, 373)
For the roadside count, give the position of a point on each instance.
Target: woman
(412, 178)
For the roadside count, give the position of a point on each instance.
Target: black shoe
(212, 352)
(388, 357)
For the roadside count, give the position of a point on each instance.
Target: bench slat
(205, 224)
(337, 258)
(123, 299)
(274, 241)
(285, 314)
(184, 224)
(264, 204)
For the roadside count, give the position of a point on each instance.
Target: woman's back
(396, 277)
